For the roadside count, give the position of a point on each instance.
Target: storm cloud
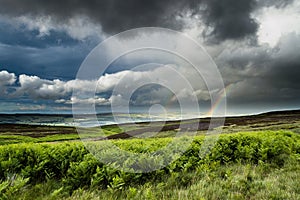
(226, 19)
(255, 44)
(263, 74)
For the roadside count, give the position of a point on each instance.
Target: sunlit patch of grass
(251, 165)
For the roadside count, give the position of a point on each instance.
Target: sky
(254, 43)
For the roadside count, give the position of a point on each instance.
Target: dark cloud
(284, 67)
(262, 75)
(258, 74)
(113, 15)
(228, 19)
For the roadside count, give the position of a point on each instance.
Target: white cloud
(117, 100)
(276, 22)
(77, 27)
(6, 79)
(119, 86)
(88, 101)
(31, 107)
(39, 88)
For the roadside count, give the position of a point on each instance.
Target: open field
(281, 120)
(256, 157)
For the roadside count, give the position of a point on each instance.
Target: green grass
(227, 182)
(251, 165)
(13, 138)
(234, 181)
(37, 134)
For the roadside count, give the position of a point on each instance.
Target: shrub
(72, 163)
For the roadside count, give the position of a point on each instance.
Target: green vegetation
(255, 157)
(48, 134)
(39, 134)
(235, 181)
(253, 165)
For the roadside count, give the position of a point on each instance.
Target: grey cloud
(227, 19)
(285, 65)
(276, 3)
(261, 74)
(230, 19)
(114, 15)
